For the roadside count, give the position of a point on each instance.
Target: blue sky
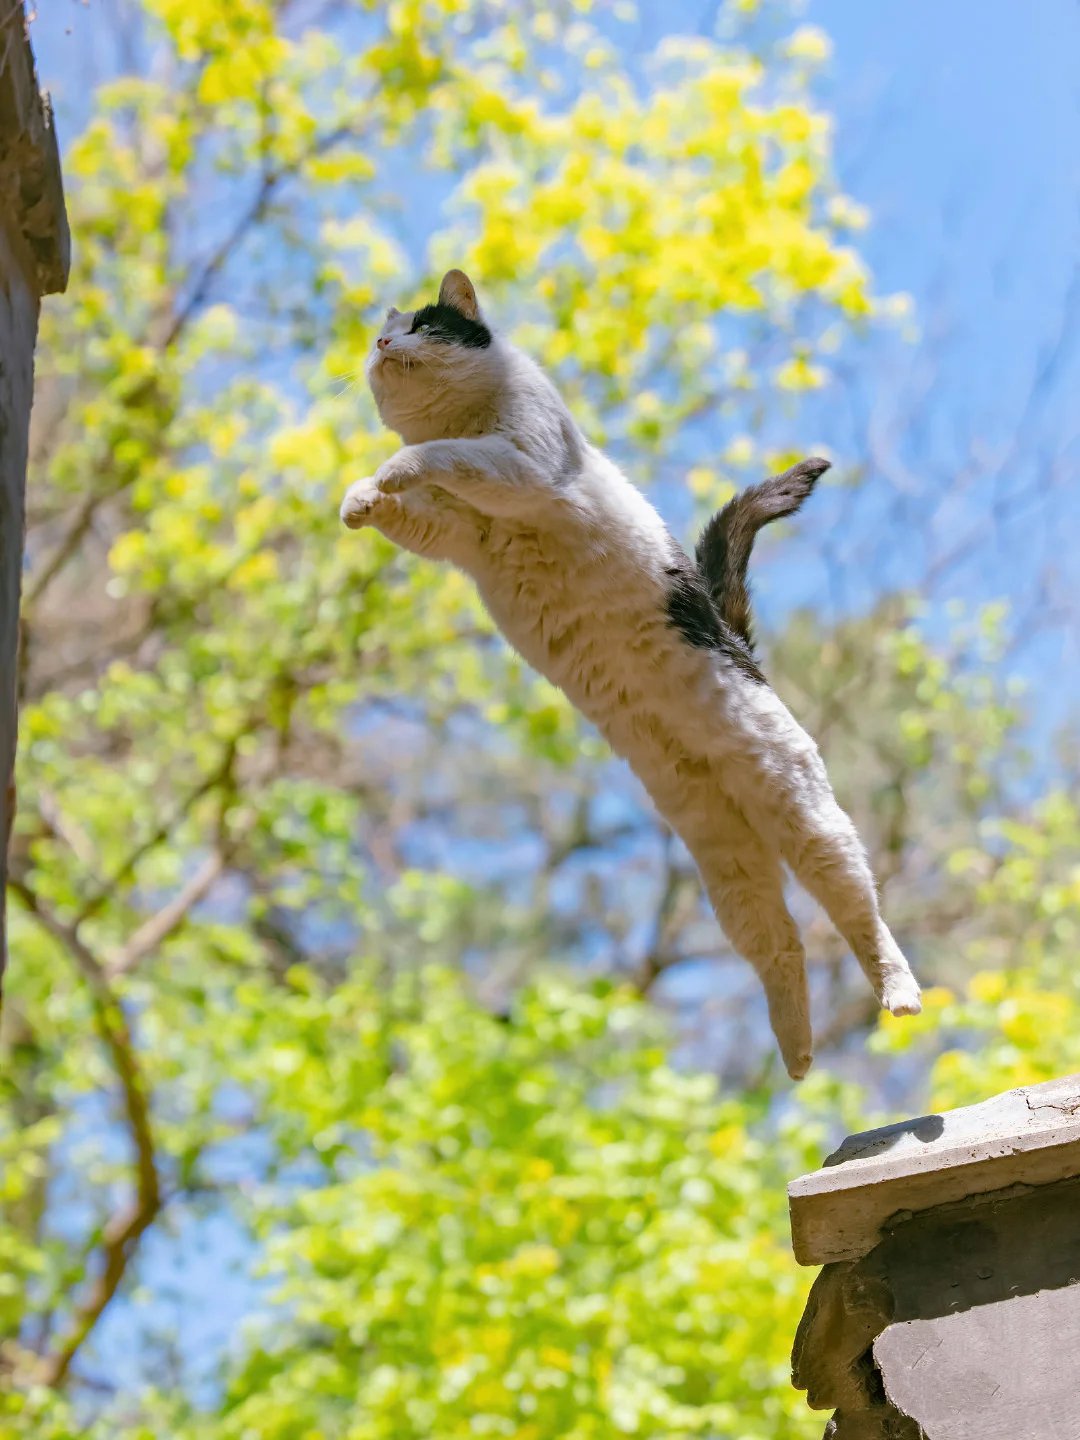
(958, 124)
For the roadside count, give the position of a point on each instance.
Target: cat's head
(432, 364)
(454, 322)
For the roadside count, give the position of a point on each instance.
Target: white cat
(580, 574)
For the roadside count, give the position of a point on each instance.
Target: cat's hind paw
(797, 1063)
(900, 995)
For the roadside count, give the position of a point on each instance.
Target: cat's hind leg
(745, 885)
(828, 860)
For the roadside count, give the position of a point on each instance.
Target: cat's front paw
(401, 472)
(360, 503)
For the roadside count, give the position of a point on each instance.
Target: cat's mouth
(396, 363)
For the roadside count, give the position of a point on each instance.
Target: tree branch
(269, 182)
(161, 925)
(80, 524)
(122, 1231)
(108, 887)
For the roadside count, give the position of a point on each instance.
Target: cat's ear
(457, 290)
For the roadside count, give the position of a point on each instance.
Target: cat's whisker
(338, 385)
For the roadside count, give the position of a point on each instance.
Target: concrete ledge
(1029, 1136)
(31, 190)
(948, 1306)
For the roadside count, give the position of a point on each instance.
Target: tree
(258, 757)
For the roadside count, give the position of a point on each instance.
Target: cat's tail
(723, 552)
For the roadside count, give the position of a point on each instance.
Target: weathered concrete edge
(31, 187)
(843, 1221)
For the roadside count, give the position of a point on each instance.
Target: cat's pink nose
(383, 341)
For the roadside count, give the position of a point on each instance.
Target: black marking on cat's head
(447, 325)
(691, 611)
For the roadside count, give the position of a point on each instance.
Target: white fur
(570, 560)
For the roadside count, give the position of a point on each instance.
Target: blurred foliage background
(371, 1065)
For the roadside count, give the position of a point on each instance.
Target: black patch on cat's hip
(451, 327)
(691, 611)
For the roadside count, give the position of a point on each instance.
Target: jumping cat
(582, 577)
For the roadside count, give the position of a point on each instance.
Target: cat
(584, 580)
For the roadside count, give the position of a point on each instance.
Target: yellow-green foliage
(535, 1229)
(1017, 1020)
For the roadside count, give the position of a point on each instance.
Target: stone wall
(34, 249)
(948, 1305)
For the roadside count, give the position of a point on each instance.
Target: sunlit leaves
(558, 1235)
(529, 1226)
(1017, 1020)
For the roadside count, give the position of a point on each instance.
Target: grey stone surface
(34, 254)
(1009, 1370)
(1028, 1136)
